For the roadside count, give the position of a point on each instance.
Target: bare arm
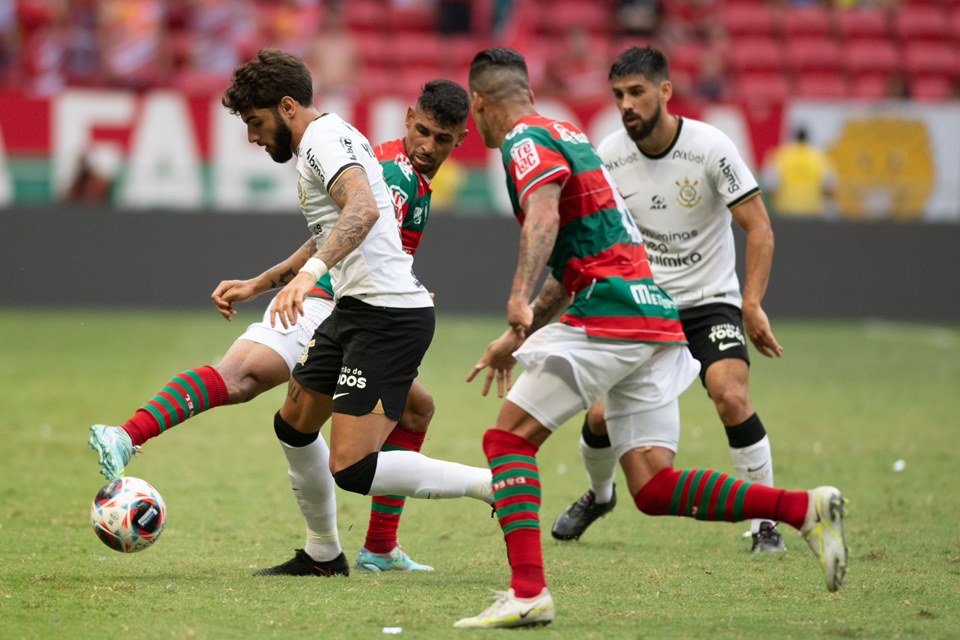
(752, 217)
(551, 300)
(358, 213)
(230, 292)
(541, 224)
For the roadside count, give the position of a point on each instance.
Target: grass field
(845, 402)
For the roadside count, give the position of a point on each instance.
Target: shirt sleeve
(532, 163)
(403, 188)
(730, 175)
(329, 151)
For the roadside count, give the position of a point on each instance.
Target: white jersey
(378, 272)
(681, 202)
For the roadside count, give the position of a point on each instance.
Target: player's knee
(417, 415)
(731, 400)
(358, 477)
(596, 423)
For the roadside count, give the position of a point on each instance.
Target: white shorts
(566, 372)
(292, 342)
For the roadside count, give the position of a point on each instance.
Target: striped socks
(385, 511)
(186, 395)
(705, 494)
(516, 492)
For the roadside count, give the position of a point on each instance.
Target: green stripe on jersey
(616, 298)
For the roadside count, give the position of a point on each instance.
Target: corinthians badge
(688, 197)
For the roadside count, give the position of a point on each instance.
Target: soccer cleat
(768, 539)
(823, 531)
(114, 447)
(571, 524)
(510, 611)
(303, 565)
(396, 560)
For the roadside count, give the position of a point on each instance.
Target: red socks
(385, 511)
(516, 491)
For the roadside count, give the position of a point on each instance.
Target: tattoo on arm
(540, 227)
(358, 214)
(282, 278)
(550, 301)
(282, 273)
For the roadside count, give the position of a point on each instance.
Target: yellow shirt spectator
(799, 178)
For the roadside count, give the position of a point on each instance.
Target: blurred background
(848, 112)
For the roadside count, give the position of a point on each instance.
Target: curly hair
(446, 102)
(265, 80)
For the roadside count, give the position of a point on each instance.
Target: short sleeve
(728, 172)
(403, 187)
(329, 151)
(533, 161)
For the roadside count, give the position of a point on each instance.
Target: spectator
(639, 17)
(332, 58)
(578, 73)
(711, 84)
(800, 179)
(133, 37)
(219, 31)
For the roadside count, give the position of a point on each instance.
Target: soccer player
(263, 357)
(619, 339)
(361, 361)
(683, 180)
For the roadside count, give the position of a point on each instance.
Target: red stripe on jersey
(388, 150)
(317, 292)
(410, 240)
(627, 261)
(642, 328)
(584, 194)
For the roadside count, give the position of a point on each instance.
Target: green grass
(845, 402)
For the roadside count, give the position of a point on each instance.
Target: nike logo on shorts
(723, 346)
(337, 395)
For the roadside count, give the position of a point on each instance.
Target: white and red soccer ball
(128, 514)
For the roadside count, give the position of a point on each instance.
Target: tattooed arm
(358, 213)
(541, 224)
(230, 292)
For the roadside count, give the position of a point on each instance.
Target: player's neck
(661, 137)
(300, 122)
(511, 116)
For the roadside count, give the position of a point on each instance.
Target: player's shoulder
(703, 134)
(397, 168)
(615, 145)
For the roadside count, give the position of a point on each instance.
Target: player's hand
(519, 316)
(758, 330)
(230, 292)
(288, 305)
(499, 360)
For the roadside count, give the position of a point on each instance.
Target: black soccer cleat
(571, 524)
(768, 539)
(303, 565)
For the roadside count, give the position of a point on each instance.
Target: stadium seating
(871, 57)
(807, 21)
(813, 54)
(862, 24)
(750, 55)
(822, 86)
(764, 88)
(926, 60)
(930, 89)
(913, 23)
(870, 87)
(749, 20)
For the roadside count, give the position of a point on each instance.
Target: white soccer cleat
(823, 531)
(510, 611)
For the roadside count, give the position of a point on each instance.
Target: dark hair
(265, 80)
(499, 73)
(649, 62)
(801, 134)
(446, 102)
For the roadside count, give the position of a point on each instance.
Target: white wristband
(315, 267)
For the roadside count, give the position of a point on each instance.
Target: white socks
(755, 464)
(314, 487)
(414, 475)
(601, 466)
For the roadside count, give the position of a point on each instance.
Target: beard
(283, 147)
(646, 127)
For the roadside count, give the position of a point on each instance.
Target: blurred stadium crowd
(720, 49)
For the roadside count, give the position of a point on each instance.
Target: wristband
(315, 267)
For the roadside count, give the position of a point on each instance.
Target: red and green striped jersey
(410, 191)
(599, 254)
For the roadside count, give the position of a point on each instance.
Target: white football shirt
(378, 272)
(681, 202)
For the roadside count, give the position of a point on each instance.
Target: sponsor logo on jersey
(677, 260)
(725, 332)
(647, 295)
(672, 236)
(315, 165)
(569, 136)
(403, 163)
(399, 197)
(351, 378)
(366, 147)
(688, 197)
(658, 203)
(301, 192)
(733, 180)
(689, 156)
(622, 160)
(418, 215)
(517, 130)
(525, 157)
(347, 145)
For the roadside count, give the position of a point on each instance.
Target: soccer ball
(128, 514)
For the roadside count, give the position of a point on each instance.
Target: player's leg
(258, 361)
(381, 550)
(717, 340)
(601, 465)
